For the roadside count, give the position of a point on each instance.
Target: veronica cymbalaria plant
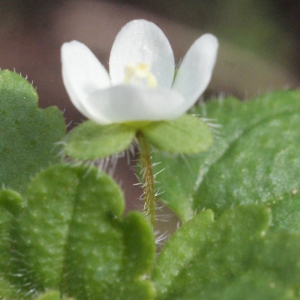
(140, 97)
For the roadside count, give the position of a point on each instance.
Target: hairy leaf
(73, 239)
(28, 135)
(254, 159)
(186, 135)
(91, 141)
(231, 258)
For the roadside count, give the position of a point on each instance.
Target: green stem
(148, 178)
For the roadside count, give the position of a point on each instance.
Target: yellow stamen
(140, 74)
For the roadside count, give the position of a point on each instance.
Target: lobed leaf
(73, 240)
(27, 134)
(254, 159)
(231, 258)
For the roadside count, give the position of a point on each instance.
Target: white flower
(141, 84)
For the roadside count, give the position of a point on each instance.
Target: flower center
(140, 74)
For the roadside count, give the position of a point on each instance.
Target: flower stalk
(147, 178)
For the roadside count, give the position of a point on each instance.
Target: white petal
(126, 102)
(82, 73)
(196, 69)
(141, 41)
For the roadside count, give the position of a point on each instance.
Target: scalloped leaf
(232, 258)
(255, 159)
(73, 240)
(27, 133)
(91, 141)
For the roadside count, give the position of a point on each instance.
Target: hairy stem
(148, 178)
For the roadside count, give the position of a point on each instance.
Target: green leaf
(10, 206)
(286, 213)
(91, 141)
(7, 290)
(257, 285)
(27, 134)
(180, 249)
(73, 240)
(232, 258)
(11, 201)
(50, 295)
(186, 135)
(254, 159)
(176, 179)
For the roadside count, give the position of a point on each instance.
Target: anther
(140, 74)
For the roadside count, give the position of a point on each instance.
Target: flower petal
(82, 73)
(196, 69)
(141, 41)
(126, 102)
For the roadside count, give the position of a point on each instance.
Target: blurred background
(259, 45)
